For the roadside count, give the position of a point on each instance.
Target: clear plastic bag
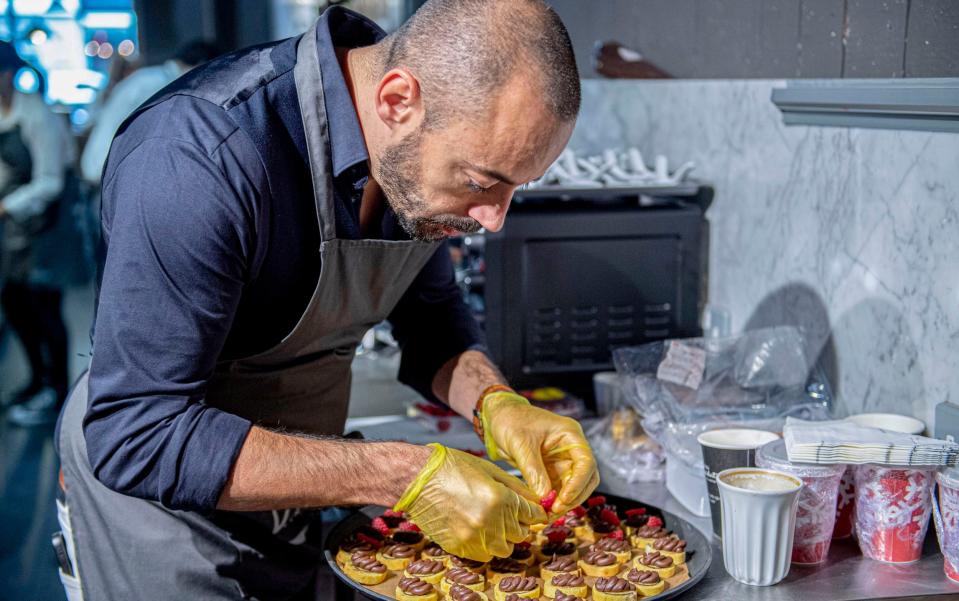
(622, 446)
(686, 386)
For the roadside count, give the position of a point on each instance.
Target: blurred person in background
(36, 155)
(130, 93)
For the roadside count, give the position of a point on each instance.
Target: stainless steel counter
(846, 576)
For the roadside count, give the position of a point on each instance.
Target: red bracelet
(478, 409)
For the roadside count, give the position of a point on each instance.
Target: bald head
(463, 52)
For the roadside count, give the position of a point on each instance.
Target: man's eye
(475, 188)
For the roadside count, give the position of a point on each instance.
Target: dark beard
(397, 175)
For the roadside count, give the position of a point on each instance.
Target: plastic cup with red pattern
(893, 506)
(816, 514)
(947, 520)
(845, 504)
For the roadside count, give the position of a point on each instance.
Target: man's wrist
(403, 464)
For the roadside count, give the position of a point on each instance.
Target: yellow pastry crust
(648, 590)
(533, 594)
(495, 577)
(584, 533)
(397, 564)
(664, 573)
(624, 596)
(401, 596)
(433, 579)
(597, 571)
(547, 575)
(549, 589)
(479, 587)
(679, 558)
(364, 577)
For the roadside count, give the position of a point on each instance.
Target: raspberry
(556, 536)
(408, 527)
(369, 540)
(655, 522)
(392, 514)
(560, 522)
(548, 500)
(638, 511)
(578, 511)
(597, 500)
(608, 515)
(617, 534)
(380, 526)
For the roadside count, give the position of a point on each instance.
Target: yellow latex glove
(550, 450)
(470, 507)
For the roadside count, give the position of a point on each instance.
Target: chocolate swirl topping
(458, 592)
(407, 537)
(568, 579)
(462, 562)
(519, 554)
(596, 557)
(520, 584)
(603, 527)
(642, 576)
(507, 566)
(613, 545)
(415, 586)
(352, 546)
(652, 532)
(657, 560)
(367, 563)
(399, 550)
(561, 564)
(669, 543)
(558, 549)
(613, 584)
(561, 596)
(434, 550)
(463, 576)
(637, 520)
(514, 597)
(425, 567)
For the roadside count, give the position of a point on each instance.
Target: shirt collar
(344, 28)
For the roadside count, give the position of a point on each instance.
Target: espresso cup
(758, 508)
(724, 449)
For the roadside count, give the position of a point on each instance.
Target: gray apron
(127, 548)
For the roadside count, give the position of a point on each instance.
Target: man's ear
(399, 103)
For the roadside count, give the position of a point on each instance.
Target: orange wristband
(478, 409)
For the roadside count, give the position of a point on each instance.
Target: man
(128, 95)
(259, 215)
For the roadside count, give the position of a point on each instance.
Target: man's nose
(492, 214)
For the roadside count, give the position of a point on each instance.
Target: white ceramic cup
(889, 421)
(759, 516)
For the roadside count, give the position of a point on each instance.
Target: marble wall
(851, 233)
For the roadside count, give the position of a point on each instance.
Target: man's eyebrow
(491, 173)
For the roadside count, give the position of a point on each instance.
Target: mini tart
(603, 529)
(581, 528)
(365, 569)
(634, 523)
(556, 566)
(409, 537)
(647, 535)
(463, 577)
(551, 550)
(523, 555)
(599, 563)
(499, 568)
(348, 548)
(434, 551)
(619, 548)
(672, 547)
(628, 592)
(569, 583)
(657, 562)
(472, 565)
(415, 589)
(568, 536)
(647, 582)
(459, 592)
(524, 587)
(396, 556)
(426, 569)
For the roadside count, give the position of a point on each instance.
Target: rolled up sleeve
(178, 246)
(433, 324)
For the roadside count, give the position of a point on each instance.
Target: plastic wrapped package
(947, 520)
(684, 387)
(816, 514)
(892, 511)
(621, 445)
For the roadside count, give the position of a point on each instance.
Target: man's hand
(469, 506)
(550, 450)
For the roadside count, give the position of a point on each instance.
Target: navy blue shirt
(211, 245)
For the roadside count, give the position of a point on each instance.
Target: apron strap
(309, 94)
